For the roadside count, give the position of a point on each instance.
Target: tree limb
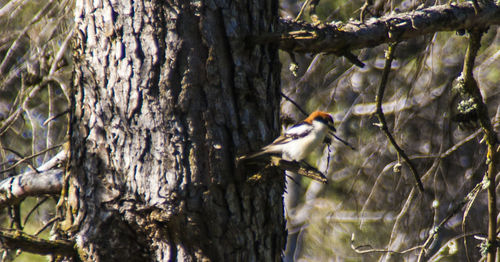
(302, 168)
(301, 37)
(48, 181)
(16, 239)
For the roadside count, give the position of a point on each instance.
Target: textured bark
(166, 95)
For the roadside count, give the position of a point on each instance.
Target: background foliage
(371, 194)
(35, 70)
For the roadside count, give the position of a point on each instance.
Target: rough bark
(166, 95)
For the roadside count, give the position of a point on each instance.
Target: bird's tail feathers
(251, 156)
(267, 150)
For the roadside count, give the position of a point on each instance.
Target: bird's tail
(251, 156)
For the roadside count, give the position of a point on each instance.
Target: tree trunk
(166, 95)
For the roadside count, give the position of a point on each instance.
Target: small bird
(301, 139)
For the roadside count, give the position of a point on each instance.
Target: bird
(300, 140)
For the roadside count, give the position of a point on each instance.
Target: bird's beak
(332, 129)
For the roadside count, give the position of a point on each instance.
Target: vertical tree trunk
(166, 94)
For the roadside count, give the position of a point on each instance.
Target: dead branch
(301, 168)
(16, 239)
(298, 36)
(48, 181)
(14, 189)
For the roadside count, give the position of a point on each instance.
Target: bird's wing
(294, 132)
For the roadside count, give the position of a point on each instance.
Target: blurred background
(370, 210)
(33, 103)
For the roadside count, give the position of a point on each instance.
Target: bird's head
(323, 118)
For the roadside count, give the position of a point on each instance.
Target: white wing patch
(299, 130)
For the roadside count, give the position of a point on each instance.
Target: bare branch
(15, 189)
(295, 104)
(304, 5)
(459, 144)
(399, 219)
(364, 249)
(38, 204)
(336, 38)
(303, 169)
(50, 222)
(381, 117)
(363, 10)
(469, 87)
(467, 200)
(15, 239)
(24, 159)
(48, 181)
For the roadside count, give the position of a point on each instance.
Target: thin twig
(49, 140)
(368, 249)
(381, 116)
(344, 142)
(306, 3)
(34, 208)
(60, 82)
(470, 197)
(51, 92)
(50, 222)
(61, 51)
(18, 155)
(55, 117)
(459, 144)
(363, 10)
(467, 199)
(29, 157)
(294, 103)
(477, 9)
(351, 57)
(401, 214)
(328, 160)
(14, 115)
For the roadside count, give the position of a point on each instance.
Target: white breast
(300, 148)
